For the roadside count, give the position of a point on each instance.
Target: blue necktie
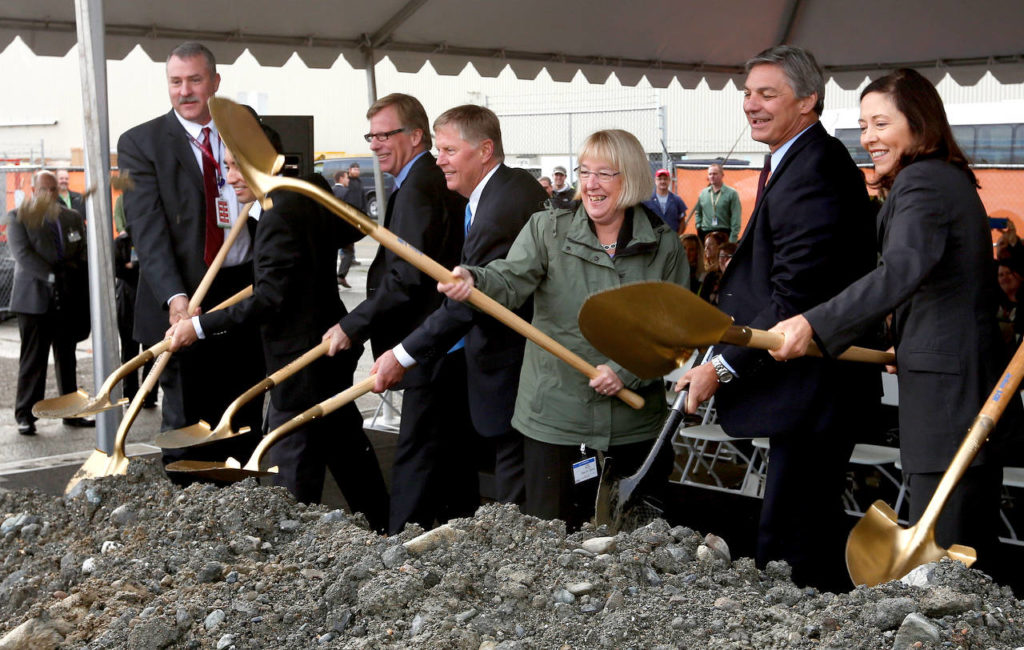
(469, 218)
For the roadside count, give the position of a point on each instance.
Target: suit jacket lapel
(813, 133)
(177, 141)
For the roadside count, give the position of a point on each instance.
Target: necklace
(610, 247)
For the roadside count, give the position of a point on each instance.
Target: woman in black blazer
(935, 279)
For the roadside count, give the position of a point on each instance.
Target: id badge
(223, 214)
(585, 469)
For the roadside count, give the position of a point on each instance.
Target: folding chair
(386, 417)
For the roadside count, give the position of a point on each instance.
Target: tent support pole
(92, 63)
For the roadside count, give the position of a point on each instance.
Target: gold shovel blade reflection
(651, 328)
(879, 549)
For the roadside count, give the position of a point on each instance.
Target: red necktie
(763, 178)
(214, 235)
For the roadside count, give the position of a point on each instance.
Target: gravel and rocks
(134, 562)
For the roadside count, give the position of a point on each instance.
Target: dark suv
(330, 166)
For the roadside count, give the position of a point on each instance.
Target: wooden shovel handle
(429, 266)
(765, 340)
(329, 405)
(1005, 390)
(218, 261)
(272, 380)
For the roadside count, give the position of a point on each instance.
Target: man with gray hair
(501, 200)
(810, 235)
(177, 213)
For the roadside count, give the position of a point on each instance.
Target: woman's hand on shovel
(460, 288)
(797, 334)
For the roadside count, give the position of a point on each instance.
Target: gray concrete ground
(49, 458)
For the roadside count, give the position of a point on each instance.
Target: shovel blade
(879, 549)
(664, 321)
(195, 436)
(77, 404)
(229, 470)
(98, 464)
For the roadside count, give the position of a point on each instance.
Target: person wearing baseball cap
(665, 203)
(561, 192)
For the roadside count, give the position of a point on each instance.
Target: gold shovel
(201, 434)
(79, 404)
(232, 470)
(651, 328)
(879, 549)
(258, 161)
(99, 463)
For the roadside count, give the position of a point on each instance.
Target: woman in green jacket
(560, 258)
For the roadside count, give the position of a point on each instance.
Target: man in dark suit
(294, 299)
(427, 215)
(47, 242)
(810, 235)
(177, 214)
(71, 200)
(501, 200)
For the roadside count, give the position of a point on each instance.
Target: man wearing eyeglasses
(427, 215)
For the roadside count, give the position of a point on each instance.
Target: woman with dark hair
(560, 258)
(935, 278)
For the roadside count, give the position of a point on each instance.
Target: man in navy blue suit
(810, 235)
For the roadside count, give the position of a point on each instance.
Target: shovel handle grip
(765, 340)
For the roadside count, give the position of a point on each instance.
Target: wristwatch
(724, 374)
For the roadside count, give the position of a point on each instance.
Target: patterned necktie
(469, 218)
(214, 235)
(763, 178)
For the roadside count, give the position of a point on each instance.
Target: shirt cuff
(173, 297)
(403, 356)
(202, 335)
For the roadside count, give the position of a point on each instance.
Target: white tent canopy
(659, 39)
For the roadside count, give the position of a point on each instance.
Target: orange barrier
(1002, 191)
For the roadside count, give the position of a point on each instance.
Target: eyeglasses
(724, 256)
(383, 137)
(602, 176)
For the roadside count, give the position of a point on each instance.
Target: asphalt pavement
(47, 459)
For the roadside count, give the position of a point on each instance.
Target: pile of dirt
(133, 562)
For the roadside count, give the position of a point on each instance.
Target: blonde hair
(627, 156)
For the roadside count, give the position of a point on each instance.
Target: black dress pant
(435, 477)
(551, 489)
(970, 516)
(802, 517)
(336, 442)
(40, 332)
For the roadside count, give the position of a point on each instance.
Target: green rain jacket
(558, 259)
